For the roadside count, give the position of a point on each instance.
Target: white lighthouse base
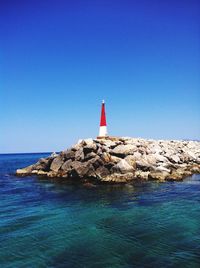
(103, 131)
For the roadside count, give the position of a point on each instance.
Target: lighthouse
(103, 126)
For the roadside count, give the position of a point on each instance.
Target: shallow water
(51, 224)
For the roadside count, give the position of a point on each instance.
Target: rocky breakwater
(121, 160)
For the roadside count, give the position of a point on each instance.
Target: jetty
(120, 160)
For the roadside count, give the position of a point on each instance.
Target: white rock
(54, 154)
(161, 168)
(123, 167)
(124, 149)
(192, 155)
(160, 158)
(137, 155)
(174, 158)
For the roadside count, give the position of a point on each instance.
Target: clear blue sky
(59, 59)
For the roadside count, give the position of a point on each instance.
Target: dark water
(51, 224)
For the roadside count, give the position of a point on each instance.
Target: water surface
(44, 223)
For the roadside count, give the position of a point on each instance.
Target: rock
(52, 174)
(124, 150)
(77, 146)
(79, 155)
(43, 164)
(142, 175)
(192, 156)
(130, 159)
(108, 143)
(156, 149)
(68, 154)
(54, 154)
(90, 146)
(158, 175)
(174, 176)
(142, 164)
(118, 178)
(89, 156)
(115, 159)
(151, 159)
(96, 162)
(80, 170)
(35, 171)
(102, 172)
(42, 173)
(195, 169)
(179, 174)
(160, 169)
(160, 158)
(191, 144)
(106, 157)
(137, 155)
(25, 171)
(66, 166)
(56, 164)
(174, 159)
(122, 167)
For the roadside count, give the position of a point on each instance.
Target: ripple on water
(49, 224)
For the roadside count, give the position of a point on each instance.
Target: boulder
(42, 173)
(137, 155)
(156, 149)
(25, 171)
(174, 159)
(66, 166)
(52, 174)
(81, 170)
(79, 154)
(114, 159)
(43, 164)
(68, 154)
(122, 167)
(102, 172)
(89, 156)
(96, 162)
(56, 163)
(160, 158)
(160, 169)
(90, 146)
(106, 157)
(77, 146)
(195, 169)
(54, 154)
(142, 175)
(124, 150)
(151, 159)
(108, 143)
(158, 175)
(118, 178)
(143, 164)
(130, 159)
(192, 156)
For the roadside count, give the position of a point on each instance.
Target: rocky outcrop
(121, 160)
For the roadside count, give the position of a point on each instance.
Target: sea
(52, 223)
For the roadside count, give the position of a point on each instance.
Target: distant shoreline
(25, 153)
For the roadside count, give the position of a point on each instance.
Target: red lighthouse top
(103, 115)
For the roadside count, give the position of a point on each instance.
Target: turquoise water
(51, 224)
